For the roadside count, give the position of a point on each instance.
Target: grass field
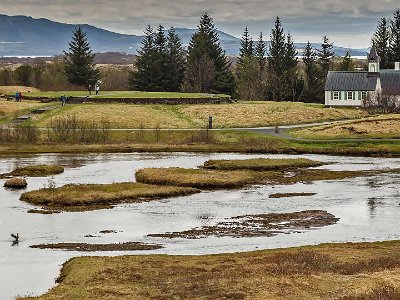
(241, 114)
(11, 109)
(385, 126)
(329, 271)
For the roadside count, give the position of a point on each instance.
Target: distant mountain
(26, 36)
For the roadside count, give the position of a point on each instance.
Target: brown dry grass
(123, 115)
(92, 196)
(229, 179)
(376, 127)
(12, 108)
(36, 171)
(257, 114)
(22, 89)
(195, 177)
(243, 114)
(261, 164)
(330, 271)
(16, 183)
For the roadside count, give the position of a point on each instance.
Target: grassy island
(36, 171)
(77, 197)
(261, 164)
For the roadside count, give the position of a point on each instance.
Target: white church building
(350, 88)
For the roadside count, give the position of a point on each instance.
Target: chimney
(397, 66)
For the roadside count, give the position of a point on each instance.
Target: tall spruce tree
(325, 56)
(79, 63)
(290, 70)
(260, 52)
(381, 40)
(159, 60)
(395, 37)
(276, 59)
(205, 51)
(175, 61)
(312, 74)
(142, 78)
(246, 46)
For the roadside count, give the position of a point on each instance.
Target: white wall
(329, 102)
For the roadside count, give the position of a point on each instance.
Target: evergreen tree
(159, 60)
(142, 78)
(276, 59)
(79, 61)
(246, 46)
(205, 50)
(260, 52)
(347, 63)
(312, 74)
(175, 61)
(395, 37)
(325, 56)
(381, 41)
(290, 69)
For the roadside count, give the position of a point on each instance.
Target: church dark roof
(360, 81)
(350, 81)
(390, 80)
(373, 55)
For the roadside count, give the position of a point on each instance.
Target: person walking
(63, 100)
(97, 88)
(16, 96)
(90, 89)
(19, 96)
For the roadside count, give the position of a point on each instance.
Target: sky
(348, 23)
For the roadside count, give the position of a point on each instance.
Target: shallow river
(368, 209)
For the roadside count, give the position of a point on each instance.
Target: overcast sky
(348, 23)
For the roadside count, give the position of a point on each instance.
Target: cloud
(349, 21)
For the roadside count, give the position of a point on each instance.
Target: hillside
(26, 36)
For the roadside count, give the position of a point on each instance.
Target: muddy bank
(265, 225)
(288, 195)
(84, 247)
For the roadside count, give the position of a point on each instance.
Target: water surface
(368, 209)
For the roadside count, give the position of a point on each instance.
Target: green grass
(329, 271)
(78, 197)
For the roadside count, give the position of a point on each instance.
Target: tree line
(262, 72)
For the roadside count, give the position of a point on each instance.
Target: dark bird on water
(15, 236)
